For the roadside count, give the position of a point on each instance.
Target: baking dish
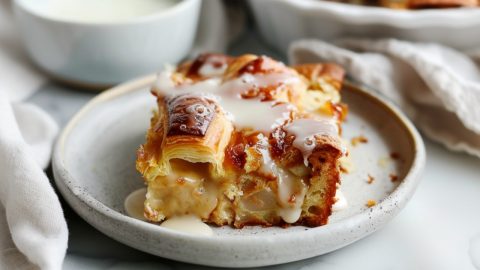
(283, 21)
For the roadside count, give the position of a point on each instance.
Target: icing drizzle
(245, 113)
(305, 131)
(247, 103)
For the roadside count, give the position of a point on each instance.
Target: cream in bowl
(105, 11)
(98, 43)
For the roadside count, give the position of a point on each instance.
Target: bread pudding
(244, 141)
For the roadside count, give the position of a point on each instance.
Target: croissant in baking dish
(415, 4)
(244, 141)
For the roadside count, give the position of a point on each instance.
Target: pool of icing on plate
(191, 224)
(187, 224)
(102, 10)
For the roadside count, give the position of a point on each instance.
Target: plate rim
(392, 203)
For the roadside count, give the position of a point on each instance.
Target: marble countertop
(438, 229)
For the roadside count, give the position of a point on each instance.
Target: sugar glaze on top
(264, 116)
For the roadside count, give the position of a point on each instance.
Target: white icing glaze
(210, 68)
(341, 202)
(164, 81)
(134, 203)
(188, 224)
(305, 131)
(290, 215)
(288, 184)
(244, 113)
(199, 110)
(261, 116)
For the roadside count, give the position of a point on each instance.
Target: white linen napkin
(438, 87)
(33, 231)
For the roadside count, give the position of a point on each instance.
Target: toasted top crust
(244, 140)
(198, 118)
(189, 115)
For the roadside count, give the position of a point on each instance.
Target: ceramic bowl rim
(155, 16)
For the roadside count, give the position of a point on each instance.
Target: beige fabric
(438, 87)
(33, 231)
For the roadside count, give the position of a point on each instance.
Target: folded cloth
(438, 87)
(33, 231)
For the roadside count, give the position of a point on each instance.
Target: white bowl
(94, 169)
(283, 21)
(106, 53)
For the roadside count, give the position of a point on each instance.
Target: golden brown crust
(236, 185)
(320, 196)
(163, 144)
(189, 115)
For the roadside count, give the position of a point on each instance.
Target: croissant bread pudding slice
(244, 141)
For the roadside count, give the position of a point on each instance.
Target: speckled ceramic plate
(94, 167)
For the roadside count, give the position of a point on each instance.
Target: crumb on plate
(370, 179)
(359, 139)
(395, 155)
(371, 203)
